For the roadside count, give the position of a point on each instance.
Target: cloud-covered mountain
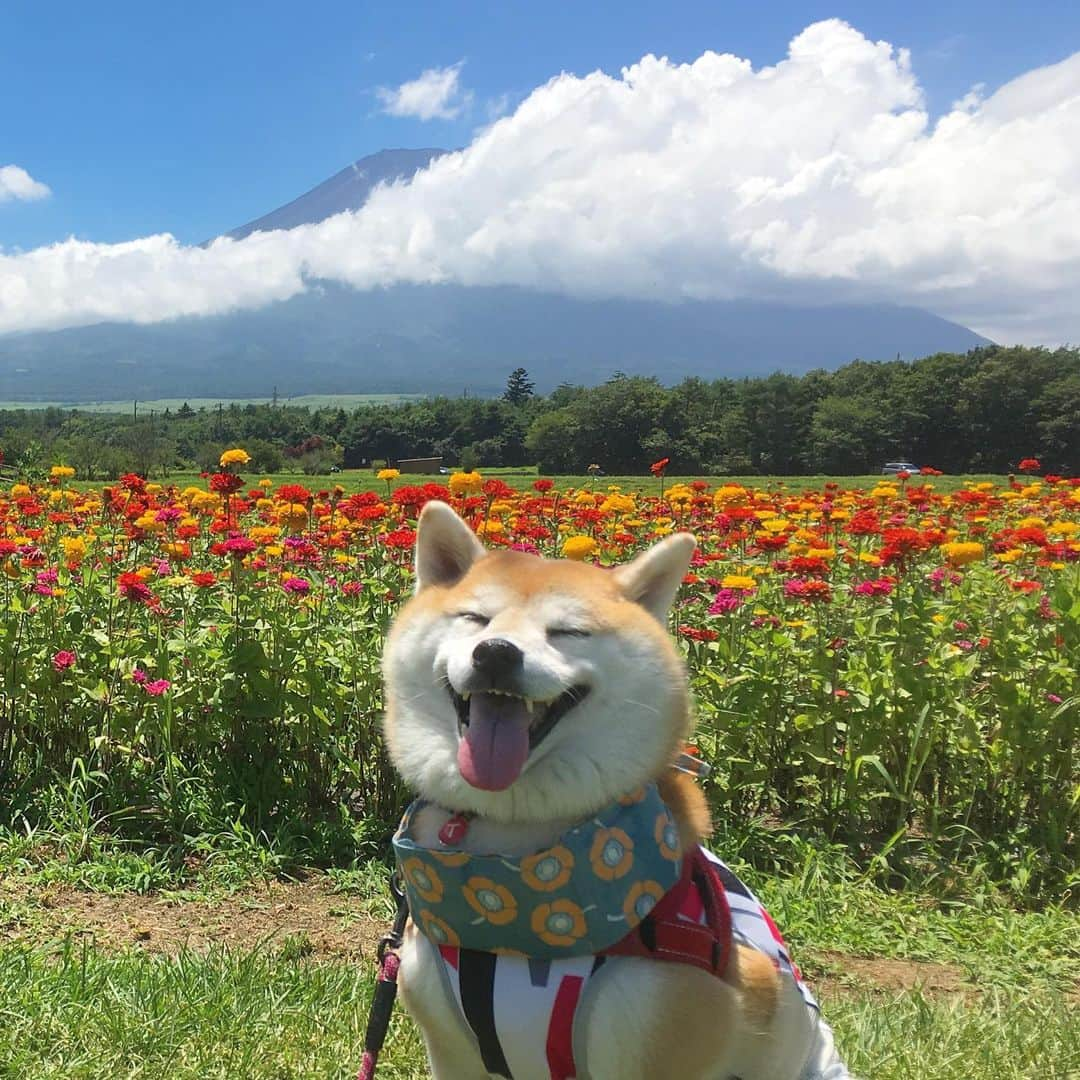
(346, 190)
(451, 338)
(444, 338)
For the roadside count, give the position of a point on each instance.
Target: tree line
(981, 411)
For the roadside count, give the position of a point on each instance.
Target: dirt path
(308, 917)
(312, 920)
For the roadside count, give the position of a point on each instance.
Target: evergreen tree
(519, 387)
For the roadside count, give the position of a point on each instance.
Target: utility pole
(275, 397)
(134, 410)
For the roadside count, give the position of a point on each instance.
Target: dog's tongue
(495, 744)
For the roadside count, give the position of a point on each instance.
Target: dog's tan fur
(692, 1024)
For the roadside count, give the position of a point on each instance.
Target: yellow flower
(579, 547)
(612, 854)
(491, 527)
(738, 581)
(959, 553)
(234, 457)
(559, 923)
(388, 474)
(74, 548)
(61, 472)
(547, 870)
(20, 491)
(463, 483)
(491, 900)
(730, 495)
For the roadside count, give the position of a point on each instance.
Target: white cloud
(436, 94)
(16, 183)
(818, 179)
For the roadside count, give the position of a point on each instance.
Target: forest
(982, 411)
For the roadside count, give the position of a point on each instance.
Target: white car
(891, 468)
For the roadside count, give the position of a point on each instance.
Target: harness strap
(664, 935)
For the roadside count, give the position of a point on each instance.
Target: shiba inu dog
(536, 706)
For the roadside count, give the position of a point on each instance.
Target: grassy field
(307, 401)
(353, 480)
(271, 980)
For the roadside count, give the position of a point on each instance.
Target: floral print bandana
(575, 898)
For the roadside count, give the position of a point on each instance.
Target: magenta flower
(62, 660)
(157, 687)
(139, 676)
(296, 585)
(239, 546)
(725, 602)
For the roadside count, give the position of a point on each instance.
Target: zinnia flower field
(893, 668)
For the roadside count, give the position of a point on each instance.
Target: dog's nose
(497, 658)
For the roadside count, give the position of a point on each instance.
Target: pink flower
(725, 602)
(62, 660)
(1053, 699)
(296, 585)
(157, 687)
(139, 676)
(874, 587)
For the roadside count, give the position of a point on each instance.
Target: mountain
(346, 190)
(446, 338)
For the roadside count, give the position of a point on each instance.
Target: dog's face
(529, 689)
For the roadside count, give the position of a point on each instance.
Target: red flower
(225, 483)
(497, 489)
(695, 633)
(543, 485)
(293, 493)
(400, 538)
(1030, 465)
(657, 467)
(131, 587)
(62, 660)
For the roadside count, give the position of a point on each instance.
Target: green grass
(259, 1014)
(353, 480)
(1008, 1008)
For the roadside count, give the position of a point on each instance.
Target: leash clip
(391, 941)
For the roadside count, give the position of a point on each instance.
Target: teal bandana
(575, 898)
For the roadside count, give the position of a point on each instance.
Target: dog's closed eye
(474, 617)
(568, 632)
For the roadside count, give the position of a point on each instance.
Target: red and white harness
(524, 1012)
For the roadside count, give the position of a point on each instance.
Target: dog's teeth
(528, 705)
(465, 697)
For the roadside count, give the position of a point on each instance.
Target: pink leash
(382, 1001)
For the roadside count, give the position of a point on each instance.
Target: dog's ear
(654, 577)
(445, 547)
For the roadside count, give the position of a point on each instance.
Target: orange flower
(612, 854)
(641, 899)
(424, 879)
(437, 930)
(493, 901)
(547, 870)
(559, 923)
(667, 837)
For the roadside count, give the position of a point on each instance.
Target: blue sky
(192, 118)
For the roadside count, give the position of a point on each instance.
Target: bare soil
(314, 921)
(307, 916)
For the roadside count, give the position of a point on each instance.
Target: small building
(427, 465)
